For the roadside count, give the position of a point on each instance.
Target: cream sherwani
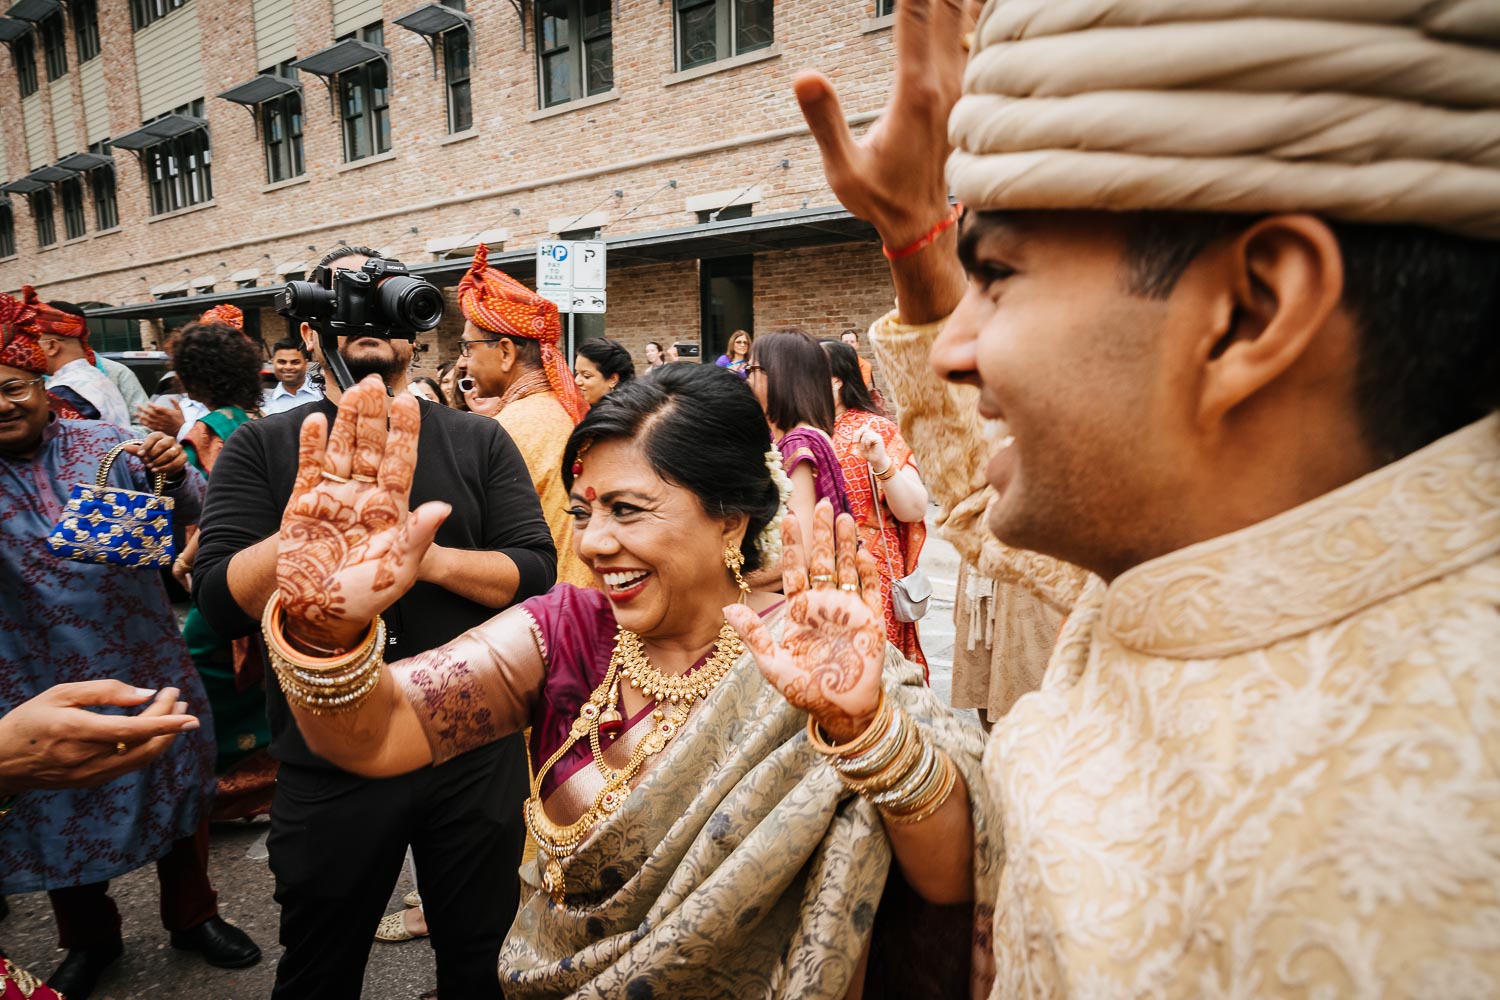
(1264, 765)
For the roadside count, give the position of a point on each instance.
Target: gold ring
(120, 747)
(822, 578)
(333, 478)
(849, 588)
(363, 479)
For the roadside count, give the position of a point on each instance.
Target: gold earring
(734, 559)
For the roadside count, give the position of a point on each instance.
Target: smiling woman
(672, 777)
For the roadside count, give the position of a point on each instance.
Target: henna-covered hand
(830, 657)
(349, 548)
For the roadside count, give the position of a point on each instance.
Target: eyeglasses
(752, 369)
(466, 347)
(19, 390)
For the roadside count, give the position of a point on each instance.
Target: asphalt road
(151, 970)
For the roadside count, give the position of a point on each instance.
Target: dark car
(153, 368)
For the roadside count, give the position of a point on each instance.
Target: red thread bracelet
(925, 241)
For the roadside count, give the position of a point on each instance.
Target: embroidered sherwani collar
(1412, 521)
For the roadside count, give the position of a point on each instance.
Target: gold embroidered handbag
(107, 524)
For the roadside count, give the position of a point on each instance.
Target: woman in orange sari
(879, 469)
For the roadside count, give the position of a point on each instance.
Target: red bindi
(590, 495)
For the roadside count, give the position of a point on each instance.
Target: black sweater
(463, 459)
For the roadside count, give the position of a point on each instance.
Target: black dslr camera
(380, 299)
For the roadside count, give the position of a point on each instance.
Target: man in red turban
(227, 314)
(63, 339)
(510, 338)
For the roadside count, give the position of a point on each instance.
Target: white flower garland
(768, 544)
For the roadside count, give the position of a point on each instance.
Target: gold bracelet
(328, 685)
(939, 798)
(878, 757)
(919, 776)
(890, 470)
(274, 629)
(864, 741)
(897, 771)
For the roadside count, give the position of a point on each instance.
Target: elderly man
(1230, 278)
(510, 337)
(64, 341)
(65, 621)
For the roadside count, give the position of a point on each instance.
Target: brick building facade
(668, 128)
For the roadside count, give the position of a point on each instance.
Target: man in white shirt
(64, 339)
(292, 386)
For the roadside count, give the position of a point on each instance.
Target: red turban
(19, 348)
(227, 314)
(496, 302)
(32, 315)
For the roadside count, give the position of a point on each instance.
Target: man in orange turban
(227, 314)
(64, 341)
(510, 337)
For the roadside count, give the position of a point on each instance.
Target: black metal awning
(81, 162)
(51, 175)
(259, 89)
(434, 19)
(341, 56)
(797, 230)
(158, 131)
(23, 185)
(11, 29)
(33, 10)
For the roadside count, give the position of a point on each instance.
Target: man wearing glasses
(64, 341)
(337, 840)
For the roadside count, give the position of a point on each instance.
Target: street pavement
(151, 970)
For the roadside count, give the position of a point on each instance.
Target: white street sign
(554, 265)
(588, 264)
(563, 299)
(584, 301)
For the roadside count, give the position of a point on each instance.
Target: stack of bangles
(893, 765)
(325, 685)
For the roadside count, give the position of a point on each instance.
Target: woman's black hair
(218, 366)
(432, 384)
(843, 362)
(699, 427)
(799, 384)
(610, 357)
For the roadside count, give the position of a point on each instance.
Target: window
(144, 12)
(575, 49)
(726, 301)
(72, 204)
(724, 214)
(41, 211)
(710, 30)
(178, 170)
(7, 230)
(281, 130)
(364, 95)
(23, 52)
(54, 45)
(884, 7)
(102, 181)
(456, 69)
(86, 28)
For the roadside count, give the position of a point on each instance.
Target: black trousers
(337, 843)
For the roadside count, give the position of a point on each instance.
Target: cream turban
(1365, 110)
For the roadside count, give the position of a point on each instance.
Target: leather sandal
(392, 928)
(413, 898)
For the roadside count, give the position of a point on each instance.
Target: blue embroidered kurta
(63, 621)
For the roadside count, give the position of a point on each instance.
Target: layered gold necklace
(600, 714)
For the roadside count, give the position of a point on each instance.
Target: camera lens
(411, 302)
(305, 300)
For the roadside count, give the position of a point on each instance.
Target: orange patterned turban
(33, 316)
(227, 314)
(496, 302)
(19, 348)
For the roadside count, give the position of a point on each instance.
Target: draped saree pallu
(738, 866)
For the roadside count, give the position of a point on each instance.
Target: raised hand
(871, 447)
(830, 657)
(348, 547)
(893, 176)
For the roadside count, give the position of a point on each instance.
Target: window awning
(259, 89)
(11, 29)
(33, 10)
(81, 162)
(248, 274)
(164, 128)
(169, 288)
(51, 175)
(434, 19)
(23, 185)
(341, 56)
(291, 267)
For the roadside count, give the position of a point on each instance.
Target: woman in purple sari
(790, 377)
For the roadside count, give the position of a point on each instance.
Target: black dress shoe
(219, 942)
(79, 973)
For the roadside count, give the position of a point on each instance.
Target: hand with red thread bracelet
(928, 239)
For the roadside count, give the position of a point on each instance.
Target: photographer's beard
(368, 356)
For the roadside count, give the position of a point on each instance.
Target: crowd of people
(1210, 417)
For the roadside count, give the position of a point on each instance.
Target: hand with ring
(830, 657)
(349, 547)
(161, 454)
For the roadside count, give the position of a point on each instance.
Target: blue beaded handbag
(106, 524)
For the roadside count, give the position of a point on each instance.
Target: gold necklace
(557, 842)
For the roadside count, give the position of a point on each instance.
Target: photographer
(337, 840)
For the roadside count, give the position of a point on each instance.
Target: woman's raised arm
(348, 549)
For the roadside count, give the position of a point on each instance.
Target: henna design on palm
(830, 657)
(349, 549)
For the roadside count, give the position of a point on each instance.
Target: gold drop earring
(734, 559)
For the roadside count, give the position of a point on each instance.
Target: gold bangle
(890, 470)
(273, 626)
(894, 773)
(903, 791)
(864, 741)
(939, 798)
(880, 756)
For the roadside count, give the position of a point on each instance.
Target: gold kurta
(1266, 765)
(541, 428)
